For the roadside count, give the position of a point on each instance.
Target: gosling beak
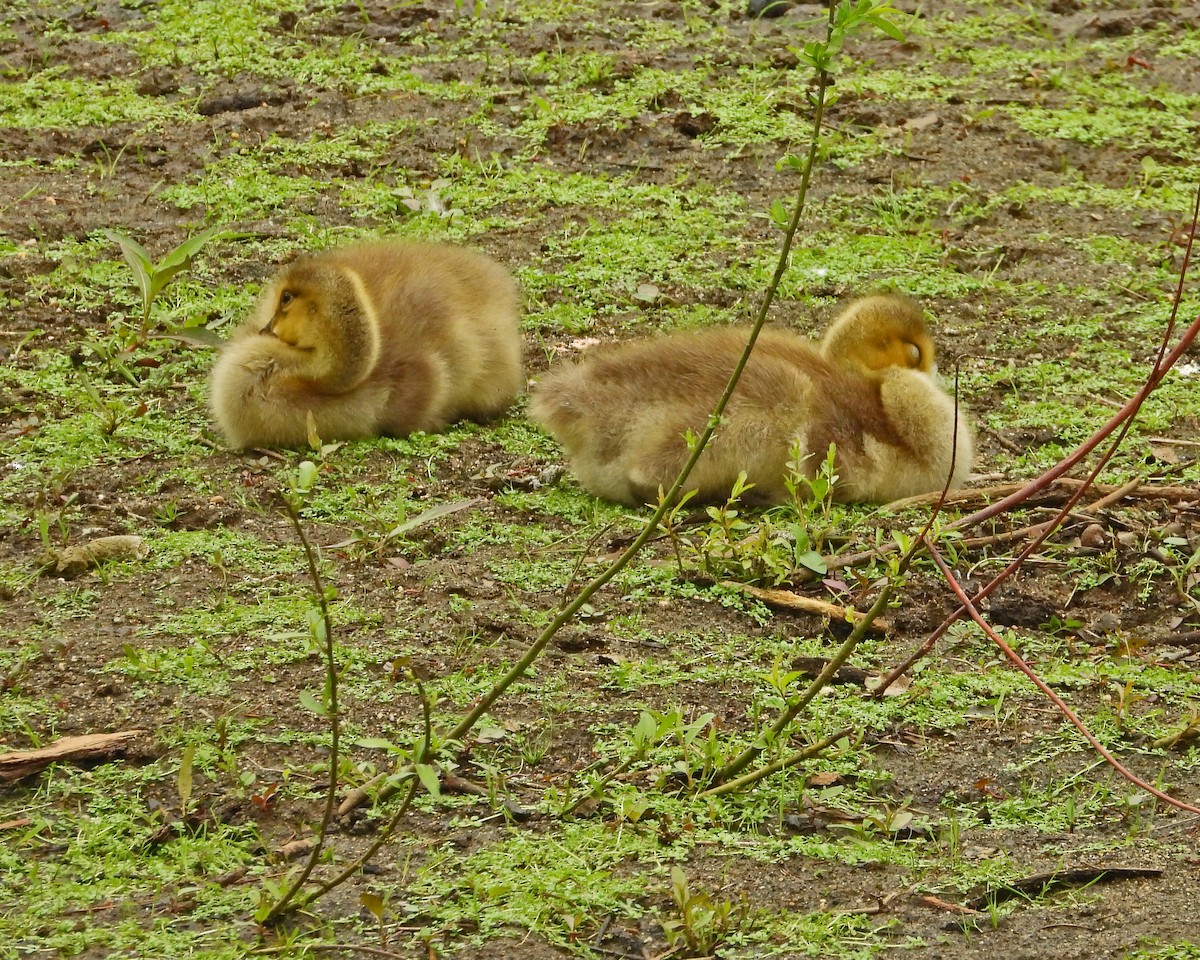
(269, 329)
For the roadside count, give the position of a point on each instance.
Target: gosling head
(307, 303)
(314, 308)
(878, 332)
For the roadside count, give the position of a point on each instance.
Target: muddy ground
(417, 591)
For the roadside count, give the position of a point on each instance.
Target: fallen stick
(1007, 536)
(787, 600)
(982, 496)
(939, 904)
(1038, 883)
(92, 746)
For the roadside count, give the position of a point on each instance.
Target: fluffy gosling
(622, 411)
(381, 338)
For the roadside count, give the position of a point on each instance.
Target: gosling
(378, 338)
(623, 411)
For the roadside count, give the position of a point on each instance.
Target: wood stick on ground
(1023, 533)
(939, 904)
(787, 600)
(982, 496)
(1071, 876)
(92, 746)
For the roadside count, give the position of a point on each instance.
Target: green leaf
(184, 781)
(139, 261)
(310, 702)
(178, 260)
(780, 215)
(306, 476)
(374, 904)
(433, 513)
(812, 561)
(645, 729)
(182, 255)
(428, 776)
(887, 27)
(196, 336)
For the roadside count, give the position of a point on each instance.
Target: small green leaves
(306, 476)
(852, 15)
(151, 277)
(780, 215)
(309, 701)
(428, 775)
(849, 18)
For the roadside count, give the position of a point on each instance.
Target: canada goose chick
(885, 338)
(907, 437)
(885, 330)
(372, 339)
(622, 412)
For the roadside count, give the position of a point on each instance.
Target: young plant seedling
(152, 277)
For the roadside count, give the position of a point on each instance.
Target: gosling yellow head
(881, 331)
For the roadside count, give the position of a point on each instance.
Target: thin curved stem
(567, 613)
(331, 704)
(1041, 684)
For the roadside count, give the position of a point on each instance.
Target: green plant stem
(567, 614)
(731, 786)
(331, 681)
(420, 755)
(751, 753)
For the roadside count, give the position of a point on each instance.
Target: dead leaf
(923, 122)
(72, 561)
(294, 849)
(647, 293)
(896, 688)
(1164, 453)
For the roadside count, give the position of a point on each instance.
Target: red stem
(1125, 415)
(1041, 685)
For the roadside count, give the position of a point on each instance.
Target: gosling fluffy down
(382, 338)
(623, 410)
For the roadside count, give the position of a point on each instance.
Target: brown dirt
(39, 205)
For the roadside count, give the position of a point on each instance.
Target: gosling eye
(286, 298)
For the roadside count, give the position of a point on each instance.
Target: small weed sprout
(702, 923)
(152, 277)
(113, 412)
(63, 528)
(812, 500)
(777, 546)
